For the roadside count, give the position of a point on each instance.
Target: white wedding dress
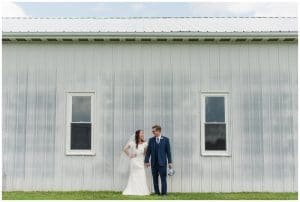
(137, 183)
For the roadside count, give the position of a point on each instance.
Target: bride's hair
(137, 137)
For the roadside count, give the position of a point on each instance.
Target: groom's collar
(160, 136)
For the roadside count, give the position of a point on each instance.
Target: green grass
(107, 195)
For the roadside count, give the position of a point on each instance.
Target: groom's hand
(170, 165)
(147, 165)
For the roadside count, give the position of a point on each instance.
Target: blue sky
(147, 9)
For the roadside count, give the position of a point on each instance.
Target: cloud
(244, 9)
(278, 9)
(101, 8)
(11, 9)
(137, 6)
(117, 8)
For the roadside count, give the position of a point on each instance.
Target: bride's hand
(132, 156)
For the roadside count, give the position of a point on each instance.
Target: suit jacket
(164, 151)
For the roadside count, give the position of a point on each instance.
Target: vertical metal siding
(137, 85)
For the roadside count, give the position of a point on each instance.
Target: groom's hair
(157, 128)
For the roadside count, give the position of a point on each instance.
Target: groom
(159, 150)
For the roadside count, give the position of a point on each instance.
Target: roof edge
(150, 34)
(149, 17)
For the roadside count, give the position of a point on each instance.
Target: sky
(148, 9)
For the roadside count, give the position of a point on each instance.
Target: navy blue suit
(160, 157)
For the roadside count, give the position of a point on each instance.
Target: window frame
(203, 122)
(70, 151)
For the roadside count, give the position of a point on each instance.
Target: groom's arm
(169, 152)
(148, 152)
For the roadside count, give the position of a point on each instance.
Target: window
(80, 123)
(214, 127)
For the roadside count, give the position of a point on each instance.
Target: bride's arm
(125, 149)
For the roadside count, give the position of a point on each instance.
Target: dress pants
(162, 172)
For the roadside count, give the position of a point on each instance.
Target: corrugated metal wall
(138, 85)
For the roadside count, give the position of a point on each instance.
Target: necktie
(157, 140)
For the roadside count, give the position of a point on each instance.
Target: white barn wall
(138, 85)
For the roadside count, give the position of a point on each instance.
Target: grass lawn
(106, 195)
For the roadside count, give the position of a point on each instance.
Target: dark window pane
(81, 108)
(214, 109)
(80, 136)
(215, 137)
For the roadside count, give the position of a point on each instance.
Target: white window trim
(68, 125)
(202, 123)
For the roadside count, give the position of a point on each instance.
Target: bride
(135, 150)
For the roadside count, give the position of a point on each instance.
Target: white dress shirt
(158, 138)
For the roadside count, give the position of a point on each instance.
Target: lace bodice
(138, 151)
